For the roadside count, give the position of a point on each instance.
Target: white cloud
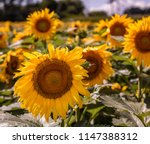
(138, 3)
(118, 7)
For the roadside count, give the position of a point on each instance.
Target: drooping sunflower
(51, 82)
(117, 26)
(11, 63)
(137, 41)
(99, 67)
(42, 24)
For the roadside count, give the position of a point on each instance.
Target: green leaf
(1, 100)
(145, 114)
(27, 41)
(95, 111)
(121, 58)
(17, 111)
(6, 93)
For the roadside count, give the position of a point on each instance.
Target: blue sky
(92, 5)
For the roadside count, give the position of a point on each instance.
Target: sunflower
(11, 63)
(42, 24)
(51, 82)
(117, 27)
(76, 27)
(101, 29)
(19, 36)
(3, 38)
(137, 41)
(99, 66)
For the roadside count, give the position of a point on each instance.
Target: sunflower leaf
(123, 105)
(123, 122)
(8, 120)
(28, 40)
(6, 92)
(128, 119)
(95, 111)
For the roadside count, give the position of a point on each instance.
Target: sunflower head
(137, 41)
(42, 24)
(99, 67)
(51, 82)
(10, 64)
(3, 38)
(101, 27)
(117, 26)
(76, 27)
(19, 36)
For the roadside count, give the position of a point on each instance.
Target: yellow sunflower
(75, 27)
(3, 38)
(99, 67)
(19, 36)
(11, 63)
(51, 82)
(101, 29)
(137, 41)
(117, 26)
(42, 24)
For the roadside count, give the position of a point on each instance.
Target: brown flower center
(1, 35)
(95, 64)
(12, 65)
(53, 78)
(117, 29)
(142, 42)
(43, 25)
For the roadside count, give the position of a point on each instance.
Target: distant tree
(66, 7)
(134, 10)
(98, 14)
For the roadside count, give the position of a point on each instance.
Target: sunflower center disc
(95, 64)
(143, 42)
(43, 25)
(117, 30)
(1, 35)
(92, 66)
(53, 78)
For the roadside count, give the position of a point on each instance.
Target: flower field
(75, 73)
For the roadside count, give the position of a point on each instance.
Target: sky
(103, 5)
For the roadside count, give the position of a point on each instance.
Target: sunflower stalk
(62, 123)
(69, 118)
(139, 96)
(78, 115)
(44, 47)
(78, 40)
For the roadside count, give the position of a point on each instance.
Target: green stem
(63, 123)
(69, 118)
(140, 84)
(83, 113)
(78, 114)
(44, 46)
(78, 40)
